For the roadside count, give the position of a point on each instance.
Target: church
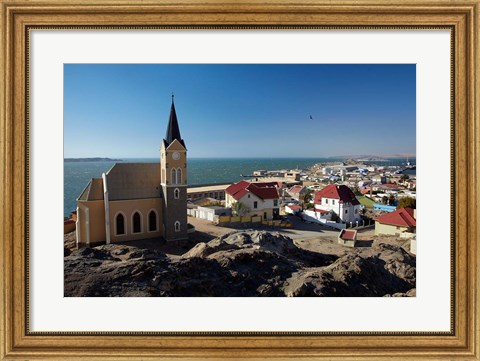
(138, 200)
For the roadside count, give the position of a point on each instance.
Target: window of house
(326, 201)
(346, 211)
(120, 224)
(152, 221)
(275, 202)
(333, 201)
(176, 193)
(174, 176)
(177, 226)
(255, 204)
(264, 215)
(137, 224)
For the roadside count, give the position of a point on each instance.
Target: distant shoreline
(97, 159)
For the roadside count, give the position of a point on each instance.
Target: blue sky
(244, 110)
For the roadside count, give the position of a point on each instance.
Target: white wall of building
(347, 212)
(317, 217)
(249, 200)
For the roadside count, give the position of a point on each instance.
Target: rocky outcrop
(242, 263)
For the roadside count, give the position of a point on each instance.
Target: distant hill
(91, 160)
(371, 157)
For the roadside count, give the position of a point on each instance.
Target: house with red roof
(292, 209)
(260, 198)
(347, 237)
(339, 199)
(401, 222)
(297, 192)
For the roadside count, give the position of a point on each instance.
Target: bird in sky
(311, 117)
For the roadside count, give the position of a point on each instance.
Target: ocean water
(199, 171)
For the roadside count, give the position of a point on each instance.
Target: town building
(260, 198)
(381, 179)
(327, 170)
(209, 213)
(347, 238)
(401, 222)
(260, 172)
(292, 209)
(297, 192)
(215, 191)
(292, 175)
(341, 200)
(138, 200)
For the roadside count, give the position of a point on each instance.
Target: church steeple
(173, 180)
(173, 130)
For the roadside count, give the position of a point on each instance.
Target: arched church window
(179, 176)
(120, 224)
(177, 226)
(152, 221)
(174, 176)
(176, 193)
(137, 223)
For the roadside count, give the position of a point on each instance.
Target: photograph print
(240, 180)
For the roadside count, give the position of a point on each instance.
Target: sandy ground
(312, 237)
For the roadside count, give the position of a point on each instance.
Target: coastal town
(141, 230)
(352, 194)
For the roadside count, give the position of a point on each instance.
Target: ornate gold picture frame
(19, 17)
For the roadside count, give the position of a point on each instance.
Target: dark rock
(242, 263)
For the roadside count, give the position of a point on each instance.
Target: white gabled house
(341, 200)
(260, 198)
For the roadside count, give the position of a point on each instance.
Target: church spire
(173, 130)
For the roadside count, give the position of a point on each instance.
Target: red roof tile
(236, 187)
(296, 189)
(322, 211)
(264, 191)
(401, 217)
(340, 192)
(348, 235)
(294, 207)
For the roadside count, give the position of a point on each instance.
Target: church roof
(93, 191)
(133, 181)
(173, 130)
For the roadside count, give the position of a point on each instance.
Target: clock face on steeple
(176, 155)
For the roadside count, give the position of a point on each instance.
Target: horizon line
(249, 157)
